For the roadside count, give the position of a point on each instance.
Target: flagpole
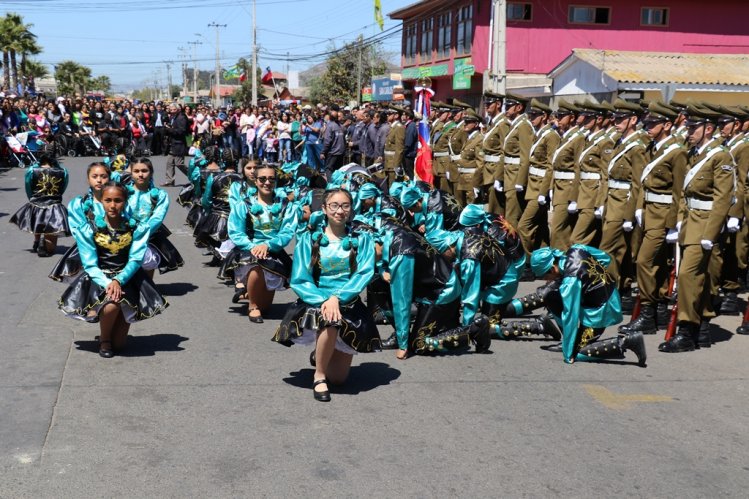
(254, 56)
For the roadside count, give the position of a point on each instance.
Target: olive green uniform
(564, 187)
(493, 166)
(395, 145)
(517, 148)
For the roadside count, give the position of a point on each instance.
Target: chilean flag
(423, 164)
(267, 77)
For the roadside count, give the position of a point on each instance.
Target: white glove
(519, 188)
(706, 244)
(638, 217)
(498, 186)
(733, 224)
(447, 175)
(542, 200)
(672, 236)
(627, 226)
(476, 192)
(599, 212)
(572, 208)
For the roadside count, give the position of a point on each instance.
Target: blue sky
(128, 40)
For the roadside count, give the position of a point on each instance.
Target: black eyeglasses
(264, 180)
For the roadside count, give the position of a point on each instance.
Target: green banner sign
(430, 71)
(464, 70)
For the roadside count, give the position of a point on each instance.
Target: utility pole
(254, 54)
(183, 58)
(498, 73)
(169, 80)
(195, 69)
(358, 73)
(217, 95)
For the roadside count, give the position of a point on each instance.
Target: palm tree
(15, 38)
(33, 69)
(71, 76)
(5, 41)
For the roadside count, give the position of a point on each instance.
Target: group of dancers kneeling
(442, 276)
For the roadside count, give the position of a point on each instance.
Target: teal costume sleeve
(302, 281)
(365, 265)
(208, 194)
(470, 270)
(84, 238)
(76, 215)
(194, 176)
(571, 290)
(401, 291)
(27, 182)
(237, 226)
(137, 252)
(159, 211)
(288, 229)
(65, 182)
(235, 193)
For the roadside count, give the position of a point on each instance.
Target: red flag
(267, 77)
(243, 76)
(423, 165)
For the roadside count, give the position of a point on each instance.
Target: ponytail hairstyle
(348, 243)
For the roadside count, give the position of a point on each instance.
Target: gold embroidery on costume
(587, 336)
(114, 246)
(48, 185)
(597, 272)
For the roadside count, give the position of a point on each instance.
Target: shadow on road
(3, 214)
(718, 334)
(363, 378)
(140, 346)
(176, 288)
(8, 189)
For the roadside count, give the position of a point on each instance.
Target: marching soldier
(656, 213)
(471, 157)
(592, 165)
(395, 144)
(680, 129)
(455, 144)
(534, 226)
(494, 138)
(565, 178)
(707, 197)
(517, 148)
(439, 136)
(624, 171)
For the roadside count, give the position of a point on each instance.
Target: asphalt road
(205, 405)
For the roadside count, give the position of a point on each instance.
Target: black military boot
(628, 301)
(730, 304)
(704, 339)
(610, 348)
(544, 325)
(477, 332)
(391, 343)
(645, 322)
(636, 343)
(662, 315)
(525, 304)
(683, 340)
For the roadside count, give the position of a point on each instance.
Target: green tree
(34, 69)
(101, 83)
(71, 77)
(15, 38)
(339, 82)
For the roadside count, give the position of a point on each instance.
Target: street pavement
(203, 404)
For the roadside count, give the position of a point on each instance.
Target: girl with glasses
(332, 266)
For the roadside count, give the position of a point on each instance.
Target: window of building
(444, 35)
(409, 49)
(589, 15)
(654, 16)
(427, 39)
(519, 11)
(465, 30)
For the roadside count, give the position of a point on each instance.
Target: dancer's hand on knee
(330, 310)
(260, 251)
(114, 291)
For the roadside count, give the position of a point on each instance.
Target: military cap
(392, 110)
(538, 107)
(623, 109)
(606, 106)
(590, 108)
(658, 113)
(700, 115)
(407, 112)
(441, 106)
(564, 108)
(644, 103)
(471, 115)
(490, 97)
(726, 116)
(461, 104)
(513, 99)
(741, 113)
(743, 108)
(681, 106)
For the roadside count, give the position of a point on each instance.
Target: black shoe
(42, 251)
(628, 304)
(391, 343)
(107, 353)
(743, 328)
(730, 304)
(645, 322)
(238, 292)
(682, 342)
(704, 339)
(662, 315)
(35, 246)
(321, 396)
(635, 342)
(313, 359)
(556, 347)
(166, 184)
(256, 320)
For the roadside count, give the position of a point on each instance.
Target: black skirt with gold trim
(356, 328)
(238, 264)
(212, 229)
(84, 299)
(40, 219)
(170, 256)
(68, 266)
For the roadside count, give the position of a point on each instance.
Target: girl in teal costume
(81, 211)
(584, 300)
(113, 289)
(212, 229)
(260, 227)
(44, 215)
(149, 205)
(331, 269)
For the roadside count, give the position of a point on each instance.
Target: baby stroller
(20, 154)
(91, 145)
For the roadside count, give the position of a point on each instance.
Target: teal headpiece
(543, 259)
(409, 197)
(369, 191)
(473, 214)
(396, 188)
